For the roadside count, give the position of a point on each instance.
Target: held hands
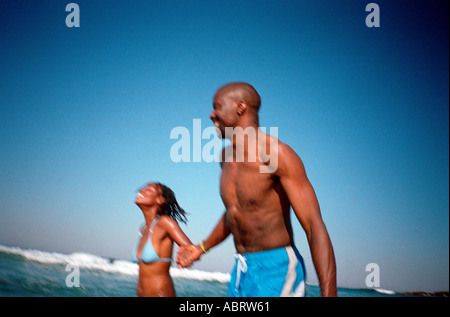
(188, 255)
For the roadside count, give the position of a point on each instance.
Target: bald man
(258, 206)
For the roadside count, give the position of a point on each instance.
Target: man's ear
(242, 107)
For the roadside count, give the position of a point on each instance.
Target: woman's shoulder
(166, 222)
(169, 225)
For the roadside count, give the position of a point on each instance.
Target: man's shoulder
(287, 158)
(285, 151)
(283, 148)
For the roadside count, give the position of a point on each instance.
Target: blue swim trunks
(272, 273)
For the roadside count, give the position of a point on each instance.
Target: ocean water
(31, 273)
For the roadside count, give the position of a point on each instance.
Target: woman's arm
(174, 231)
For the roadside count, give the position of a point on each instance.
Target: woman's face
(149, 195)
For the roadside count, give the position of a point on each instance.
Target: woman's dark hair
(171, 207)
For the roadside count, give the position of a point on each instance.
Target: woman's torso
(153, 253)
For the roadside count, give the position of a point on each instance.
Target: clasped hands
(186, 255)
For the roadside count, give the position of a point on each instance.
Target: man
(258, 205)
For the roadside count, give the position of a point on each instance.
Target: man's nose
(212, 115)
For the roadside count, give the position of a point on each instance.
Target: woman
(154, 250)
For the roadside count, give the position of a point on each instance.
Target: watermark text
(250, 145)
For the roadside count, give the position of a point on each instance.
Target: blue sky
(86, 115)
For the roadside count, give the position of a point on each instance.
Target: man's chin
(220, 133)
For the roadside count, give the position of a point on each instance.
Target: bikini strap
(166, 260)
(153, 224)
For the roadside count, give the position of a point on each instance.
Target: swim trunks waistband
(271, 273)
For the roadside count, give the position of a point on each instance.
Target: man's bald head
(242, 92)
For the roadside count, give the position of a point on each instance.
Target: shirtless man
(258, 207)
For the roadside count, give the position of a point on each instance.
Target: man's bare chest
(243, 186)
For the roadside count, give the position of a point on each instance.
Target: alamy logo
(73, 278)
(250, 140)
(373, 278)
(373, 18)
(73, 18)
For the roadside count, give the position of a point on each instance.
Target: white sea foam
(384, 291)
(94, 262)
(200, 275)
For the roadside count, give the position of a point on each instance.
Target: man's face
(224, 112)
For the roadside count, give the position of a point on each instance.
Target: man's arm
(219, 234)
(186, 256)
(306, 207)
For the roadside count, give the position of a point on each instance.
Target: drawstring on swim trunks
(241, 268)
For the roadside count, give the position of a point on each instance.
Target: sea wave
(384, 291)
(200, 275)
(94, 262)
